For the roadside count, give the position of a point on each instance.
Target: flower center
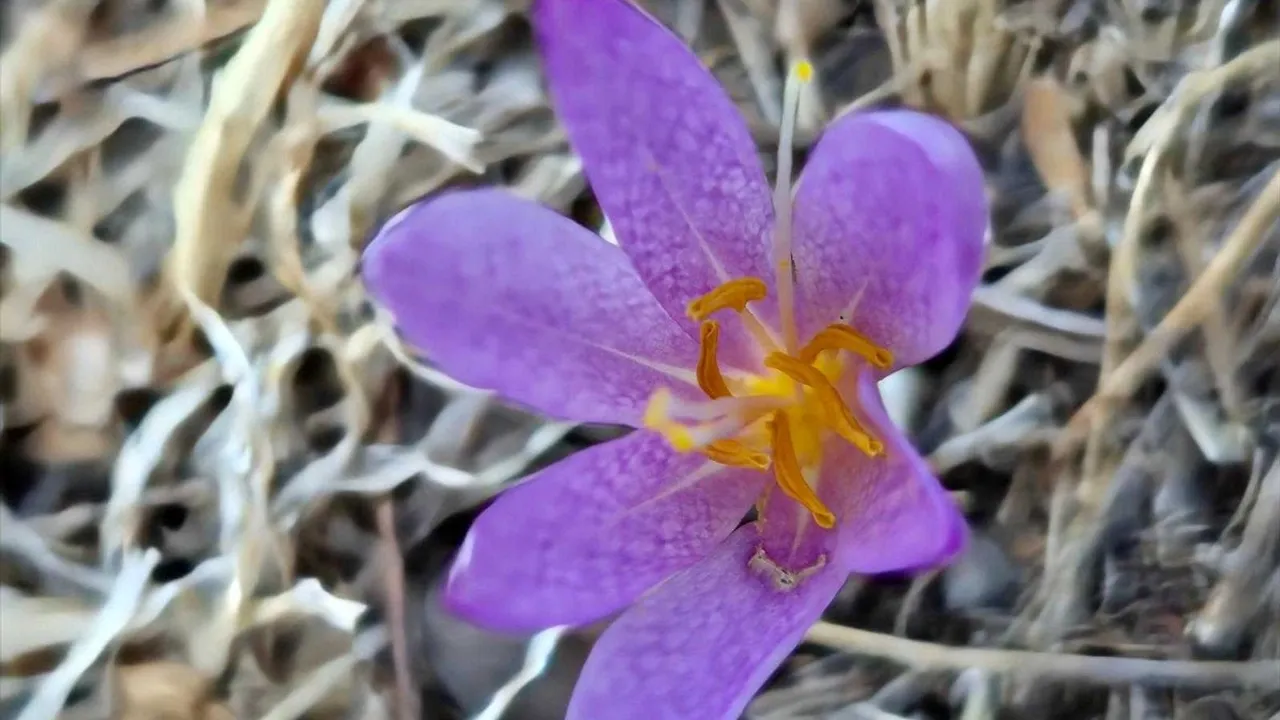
(779, 417)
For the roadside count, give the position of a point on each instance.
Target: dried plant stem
(393, 579)
(1190, 310)
(1217, 329)
(1046, 129)
(1241, 590)
(50, 38)
(210, 224)
(406, 705)
(1085, 668)
(536, 658)
(1124, 260)
(112, 619)
(122, 55)
(313, 689)
(1166, 130)
(101, 267)
(753, 45)
(1089, 421)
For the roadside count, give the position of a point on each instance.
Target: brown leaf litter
(229, 490)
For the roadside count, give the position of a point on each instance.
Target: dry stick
(1219, 335)
(900, 80)
(917, 45)
(210, 224)
(1190, 310)
(749, 38)
(1164, 131)
(993, 49)
(157, 44)
(1241, 590)
(406, 704)
(1262, 674)
(887, 17)
(1125, 258)
(47, 39)
(1119, 378)
(297, 141)
(1118, 310)
(406, 700)
(313, 688)
(1047, 133)
(950, 43)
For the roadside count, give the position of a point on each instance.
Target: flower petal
(585, 537)
(889, 222)
(702, 643)
(893, 515)
(671, 161)
(506, 295)
(791, 539)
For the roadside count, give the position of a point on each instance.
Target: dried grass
(229, 490)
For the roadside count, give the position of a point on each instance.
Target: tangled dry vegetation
(229, 491)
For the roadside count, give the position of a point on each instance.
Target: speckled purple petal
(507, 295)
(889, 222)
(702, 643)
(672, 163)
(892, 513)
(585, 537)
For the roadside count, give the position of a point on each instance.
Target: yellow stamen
(790, 477)
(842, 337)
(657, 417)
(733, 294)
(734, 453)
(702, 424)
(836, 414)
(709, 377)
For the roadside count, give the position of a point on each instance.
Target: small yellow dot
(804, 70)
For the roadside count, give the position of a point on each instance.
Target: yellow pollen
(709, 377)
(804, 71)
(836, 414)
(786, 470)
(734, 294)
(842, 337)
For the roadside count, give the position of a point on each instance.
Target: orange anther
(734, 453)
(709, 377)
(733, 294)
(786, 470)
(835, 413)
(842, 337)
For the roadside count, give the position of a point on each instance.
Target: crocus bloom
(743, 333)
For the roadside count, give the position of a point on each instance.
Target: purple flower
(744, 333)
